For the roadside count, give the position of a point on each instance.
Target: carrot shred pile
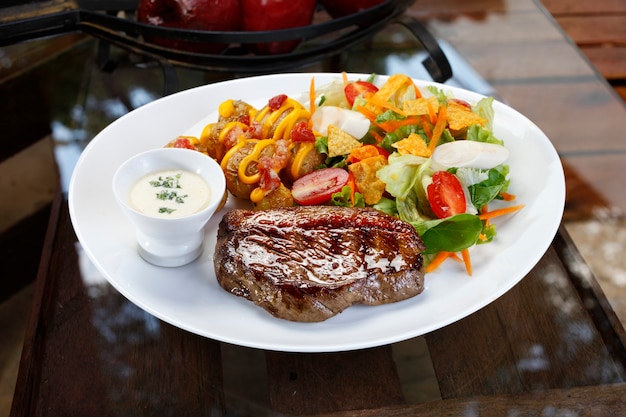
(485, 215)
(439, 258)
(442, 256)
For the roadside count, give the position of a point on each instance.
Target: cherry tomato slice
(445, 195)
(358, 88)
(318, 186)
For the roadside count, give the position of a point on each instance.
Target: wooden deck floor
(598, 27)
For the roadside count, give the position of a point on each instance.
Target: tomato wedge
(445, 195)
(318, 186)
(358, 88)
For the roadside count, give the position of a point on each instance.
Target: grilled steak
(310, 263)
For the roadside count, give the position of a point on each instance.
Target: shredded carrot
(367, 113)
(352, 184)
(377, 136)
(507, 196)
(418, 93)
(467, 261)
(426, 126)
(393, 125)
(455, 257)
(485, 210)
(312, 95)
(376, 101)
(500, 212)
(344, 76)
(437, 261)
(442, 120)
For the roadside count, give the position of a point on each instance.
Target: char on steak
(310, 263)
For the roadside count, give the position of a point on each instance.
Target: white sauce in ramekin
(170, 194)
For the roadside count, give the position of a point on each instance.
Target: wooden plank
(605, 400)
(317, 383)
(609, 60)
(527, 62)
(588, 108)
(595, 30)
(20, 246)
(592, 295)
(592, 181)
(621, 91)
(89, 351)
(506, 28)
(561, 7)
(505, 349)
(471, 9)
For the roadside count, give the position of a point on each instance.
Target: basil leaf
(485, 191)
(452, 234)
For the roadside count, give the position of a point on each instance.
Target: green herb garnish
(167, 182)
(171, 195)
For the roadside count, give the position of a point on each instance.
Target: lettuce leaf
(387, 205)
(484, 108)
(343, 198)
(480, 134)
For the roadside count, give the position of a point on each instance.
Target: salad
(418, 154)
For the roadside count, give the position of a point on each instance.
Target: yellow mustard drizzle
(281, 130)
(252, 157)
(229, 126)
(286, 125)
(257, 195)
(298, 158)
(226, 108)
(240, 144)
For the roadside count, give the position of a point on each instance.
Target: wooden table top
(552, 344)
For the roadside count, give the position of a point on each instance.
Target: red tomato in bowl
(216, 15)
(445, 195)
(358, 88)
(319, 186)
(262, 15)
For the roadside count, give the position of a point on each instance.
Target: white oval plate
(190, 298)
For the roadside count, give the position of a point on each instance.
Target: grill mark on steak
(310, 263)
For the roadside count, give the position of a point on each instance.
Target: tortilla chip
(419, 106)
(366, 180)
(340, 142)
(460, 117)
(394, 87)
(414, 144)
(395, 83)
